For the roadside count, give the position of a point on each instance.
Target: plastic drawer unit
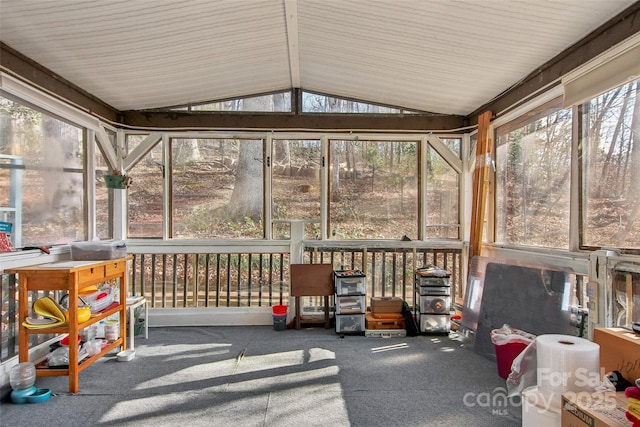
(350, 304)
(435, 304)
(350, 323)
(432, 296)
(350, 301)
(435, 323)
(350, 282)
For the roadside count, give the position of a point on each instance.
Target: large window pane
(611, 164)
(320, 103)
(296, 186)
(374, 190)
(41, 183)
(443, 218)
(217, 188)
(274, 102)
(145, 193)
(533, 179)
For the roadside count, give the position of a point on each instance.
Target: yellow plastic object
(88, 290)
(84, 314)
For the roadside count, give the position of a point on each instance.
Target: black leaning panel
(527, 298)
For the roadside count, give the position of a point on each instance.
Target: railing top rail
(384, 244)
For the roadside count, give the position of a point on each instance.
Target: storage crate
(435, 323)
(350, 285)
(437, 304)
(386, 305)
(434, 290)
(351, 304)
(433, 281)
(350, 323)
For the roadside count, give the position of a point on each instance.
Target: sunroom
(380, 137)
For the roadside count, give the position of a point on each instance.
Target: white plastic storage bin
(350, 323)
(98, 250)
(352, 304)
(437, 304)
(100, 299)
(435, 323)
(350, 285)
(433, 281)
(434, 290)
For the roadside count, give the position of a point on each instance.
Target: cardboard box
(619, 351)
(604, 409)
(386, 305)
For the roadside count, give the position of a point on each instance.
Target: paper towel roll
(567, 363)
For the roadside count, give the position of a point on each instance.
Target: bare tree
(246, 199)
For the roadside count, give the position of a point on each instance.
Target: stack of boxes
(385, 318)
(350, 296)
(433, 300)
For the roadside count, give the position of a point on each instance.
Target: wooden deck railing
(251, 275)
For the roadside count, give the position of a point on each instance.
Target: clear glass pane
(455, 144)
(104, 199)
(145, 193)
(442, 198)
(218, 188)
(296, 185)
(611, 164)
(318, 103)
(42, 181)
(275, 102)
(533, 179)
(374, 190)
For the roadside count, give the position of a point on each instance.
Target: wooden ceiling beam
(285, 121)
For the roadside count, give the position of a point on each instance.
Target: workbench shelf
(70, 277)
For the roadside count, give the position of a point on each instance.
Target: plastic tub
(22, 376)
(98, 250)
(279, 317)
(509, 343)
(99, 300)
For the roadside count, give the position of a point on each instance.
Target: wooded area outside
(373, 185)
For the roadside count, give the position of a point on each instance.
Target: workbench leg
(298, 313)
(326, 312)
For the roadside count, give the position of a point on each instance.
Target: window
(611, 169)
(104, 201)
(317, 103)
(217, 188)
(373, 189)
(41, 176)
(275, 102)
(443, 215)
(296, 186)
(533, 162)
(145, 207)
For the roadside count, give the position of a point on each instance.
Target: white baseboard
(217, 316)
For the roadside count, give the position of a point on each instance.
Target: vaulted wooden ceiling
(445, 56)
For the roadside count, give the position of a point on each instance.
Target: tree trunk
(247, 200)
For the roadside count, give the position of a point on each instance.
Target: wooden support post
(481, 174)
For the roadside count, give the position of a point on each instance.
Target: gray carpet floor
(256, 376)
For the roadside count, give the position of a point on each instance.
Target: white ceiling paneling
(444, 56)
